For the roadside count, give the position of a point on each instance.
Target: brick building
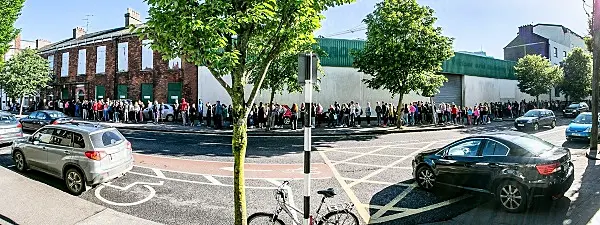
(116, 64)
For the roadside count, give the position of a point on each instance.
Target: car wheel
(20, 162)
(287, 121)
(170, 118)
(553, 125)
(74, 181)
(426, 178)
(536, 126)
(512, 196)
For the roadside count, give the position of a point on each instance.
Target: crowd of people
(273, 116)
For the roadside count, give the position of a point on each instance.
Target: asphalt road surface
(186, 178)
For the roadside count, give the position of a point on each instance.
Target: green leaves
(404, 51)
(10, 11)
(24, 74)
(577, 67)
(536, 75)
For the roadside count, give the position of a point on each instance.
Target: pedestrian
(294, 116)
(155, 109)
(384, 113)
(358, 113)
(200, 114)
(454, 112)
(331, 116)
(368, 111)
(378, 112)
(183, 109)
(261, 115)
(319, 114)
(176, 109)
(193, 113)
(209, 114)
(225, 116)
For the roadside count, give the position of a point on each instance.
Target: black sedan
(536, 118)
(575, 109)
(38, 119)
(513, 166)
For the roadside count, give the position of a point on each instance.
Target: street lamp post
(596, 63)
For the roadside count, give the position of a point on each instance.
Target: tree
(404, 51)
(24, 74)
(237, 38)
(577, 67)
(536, 75)
(10, 11)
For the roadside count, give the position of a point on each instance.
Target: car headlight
(589, 129)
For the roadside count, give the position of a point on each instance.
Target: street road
(186, 178)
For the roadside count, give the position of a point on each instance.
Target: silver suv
(81, 154)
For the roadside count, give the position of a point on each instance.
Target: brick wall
(160, 76)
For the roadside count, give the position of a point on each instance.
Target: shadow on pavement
(6, 220)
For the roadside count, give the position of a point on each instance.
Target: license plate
(576, 134)
(521, 125)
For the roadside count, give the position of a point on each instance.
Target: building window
(147, 55)
(565, 54)
(555, 52)
(122, 65)
(64, 68)
(175, 64)
(81, 62)
(101, 59)
(51, 64)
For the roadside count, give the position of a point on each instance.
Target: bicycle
(336, 215)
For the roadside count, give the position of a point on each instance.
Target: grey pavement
(24, 201)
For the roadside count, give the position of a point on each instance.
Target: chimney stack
(132, 17)
(40, 43)
(78, 32)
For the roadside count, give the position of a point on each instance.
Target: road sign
(307, 63)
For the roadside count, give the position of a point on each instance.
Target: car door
(59, 148)
(452, 167)
(28, 121)
(492, 162)
(543, 121)
(35, 152)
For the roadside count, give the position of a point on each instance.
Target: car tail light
(95, 155)
(129, 146)
(547, 169)
(55, 122)
(19, 125)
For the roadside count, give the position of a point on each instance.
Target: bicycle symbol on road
(144, 184)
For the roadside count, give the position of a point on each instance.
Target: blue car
(580, 127)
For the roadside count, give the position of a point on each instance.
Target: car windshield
(54, 115)
(532, 114)
(532, 144)
(7, 119)
(573, 106)
(583, 119)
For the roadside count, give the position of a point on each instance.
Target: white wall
(483, 89)
(341, 84)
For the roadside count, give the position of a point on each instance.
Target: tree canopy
(404, 51)
(577, 67)
(24, 74)
(536, 75)
(237, 38)
(10, 11)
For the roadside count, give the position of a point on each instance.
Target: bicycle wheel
(343, 217)
(264, 219)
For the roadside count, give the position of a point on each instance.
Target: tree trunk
(398, 123)
(21, 105)
(239, 142)
(537, 101)
(270, 104)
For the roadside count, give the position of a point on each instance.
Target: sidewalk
(171, 127)
(24, 201)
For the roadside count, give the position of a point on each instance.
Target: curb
(299, 134)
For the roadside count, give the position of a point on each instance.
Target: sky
(475, 25)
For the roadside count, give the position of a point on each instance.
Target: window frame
(103, 59)
(41, 131)
(497, 142)
(565, 54)
(73, 140)
(125, 57)
(477, 154)
(67, 132)
(146, 48)
(82, 65)
(64, 68)
(555, 52)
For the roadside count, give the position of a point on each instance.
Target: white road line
(290, 197)
(391, 165)
(159, 173)
(394, 201)
(549, 132)
(373, 165)
(419, 210)
(197, 182)
(214, 143)
(212, 179)
(138, 138)
(208, 161)
(10, 166)
(152, 194)
(202, 174)
(377, 182)
(362, 212)
(360, 155)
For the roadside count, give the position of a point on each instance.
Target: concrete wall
(341, 84)
(483, 89)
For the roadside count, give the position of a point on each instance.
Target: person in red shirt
(95, 109)
(183, 108)
(454, 111)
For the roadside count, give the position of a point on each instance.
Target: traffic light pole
(595, 75)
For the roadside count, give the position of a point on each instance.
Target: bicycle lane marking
(144, 184)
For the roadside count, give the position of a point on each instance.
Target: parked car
(580, 127)
(80, 154)
(167, 113)
(10, 128)
(575, 109)
(533, 119)
(41, 118)
(513, 166)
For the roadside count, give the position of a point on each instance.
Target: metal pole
(307, 139)
(596, 64)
